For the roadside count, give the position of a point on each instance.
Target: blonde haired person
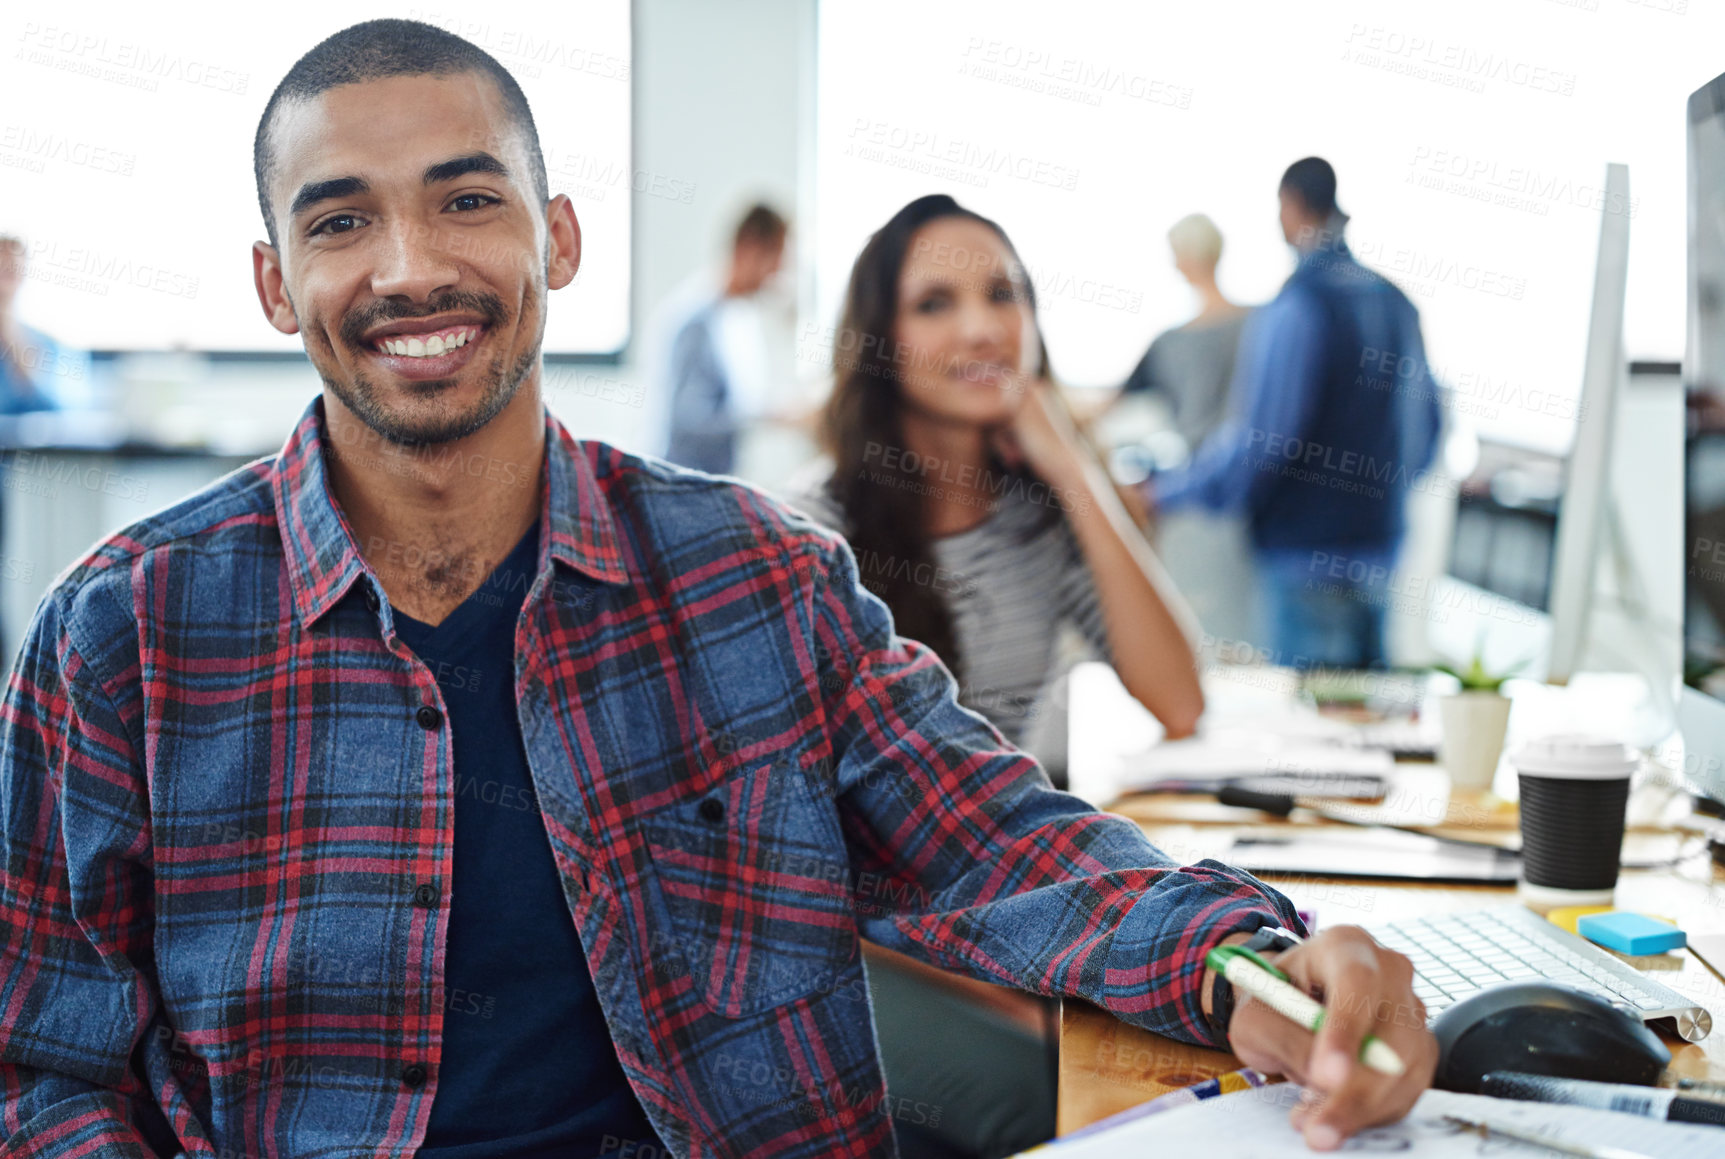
(1188, 369)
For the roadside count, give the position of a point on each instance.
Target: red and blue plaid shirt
(225, 783)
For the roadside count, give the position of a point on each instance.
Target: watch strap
(1265, 939)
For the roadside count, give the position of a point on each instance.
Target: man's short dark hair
(377, 49)
(1313, 181)
(761, 225)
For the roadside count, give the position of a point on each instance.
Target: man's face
(1299, 224)
(407, 224)
(756, 262)
(1293, 213)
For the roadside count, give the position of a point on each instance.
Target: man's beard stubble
(500, 384)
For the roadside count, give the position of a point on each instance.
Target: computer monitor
(1530, 525)
(1583, 523)
(1701, 700)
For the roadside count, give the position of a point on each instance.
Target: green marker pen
(1245, 970)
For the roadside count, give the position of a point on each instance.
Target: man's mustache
(356, 325)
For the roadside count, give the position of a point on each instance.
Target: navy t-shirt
(528, 1070)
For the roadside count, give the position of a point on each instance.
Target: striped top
(1010, 586)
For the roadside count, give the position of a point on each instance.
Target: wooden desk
(1107, 1066)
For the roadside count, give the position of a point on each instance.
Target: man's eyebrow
(313, 192)
(479, 162)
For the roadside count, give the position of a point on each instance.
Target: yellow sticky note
(1565, 917)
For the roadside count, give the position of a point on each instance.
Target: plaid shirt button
(414, 1075)
(713, 809)
(371, 600)
(425, 895)
(428, 717)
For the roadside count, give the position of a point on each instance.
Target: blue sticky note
(1630, 933)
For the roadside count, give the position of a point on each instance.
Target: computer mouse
(1547, 1029)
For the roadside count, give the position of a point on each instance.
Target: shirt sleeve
(1421, 409)
(699, 391)
(1278, 377)
(28, 375)
(1143, 378)
(976, 864)
(76, 917)
(817, 505)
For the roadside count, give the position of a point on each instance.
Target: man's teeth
(429, 347)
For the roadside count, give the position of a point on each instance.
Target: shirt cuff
(1155, 972)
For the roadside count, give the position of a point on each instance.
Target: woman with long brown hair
(985, 521)
(976, 509)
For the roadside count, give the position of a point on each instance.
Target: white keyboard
(1457, 955)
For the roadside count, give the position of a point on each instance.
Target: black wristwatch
(1267, 939)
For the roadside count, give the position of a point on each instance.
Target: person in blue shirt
(706, 412)
(1334, 416)
(29, 362)
(29, 359)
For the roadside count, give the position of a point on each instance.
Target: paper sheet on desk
(1254, 1125)
(1370, 854)
(1221, 756)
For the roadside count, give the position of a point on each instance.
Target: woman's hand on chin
(1043, 434)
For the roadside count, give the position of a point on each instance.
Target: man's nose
(414, 262)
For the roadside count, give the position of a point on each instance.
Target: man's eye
(328, 223)
(481, 198)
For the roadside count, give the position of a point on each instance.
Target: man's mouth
(427, 345)
(429, 349)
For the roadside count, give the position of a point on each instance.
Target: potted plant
(1474, 722)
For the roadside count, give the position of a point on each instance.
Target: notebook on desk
(1332, 786)
(1385, 855)
(1239, 755)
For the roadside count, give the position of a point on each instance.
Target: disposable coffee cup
(1574, 791)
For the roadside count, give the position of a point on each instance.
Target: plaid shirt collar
(576, 527)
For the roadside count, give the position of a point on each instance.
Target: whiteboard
(126, 158)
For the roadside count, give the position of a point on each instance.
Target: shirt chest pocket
(756, 883)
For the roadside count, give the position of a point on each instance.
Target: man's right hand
(1365, 989)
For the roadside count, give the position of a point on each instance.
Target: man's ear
(272, 294)
(565, 237)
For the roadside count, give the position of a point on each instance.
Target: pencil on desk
(1488, 1127)
(1244, 1079)
(1247, 971)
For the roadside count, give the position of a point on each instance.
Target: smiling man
(446, 785)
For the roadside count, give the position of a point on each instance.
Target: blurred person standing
(28, 358)
(29, 363)
(710, 401)
(1320, 447)
(1188, 368)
